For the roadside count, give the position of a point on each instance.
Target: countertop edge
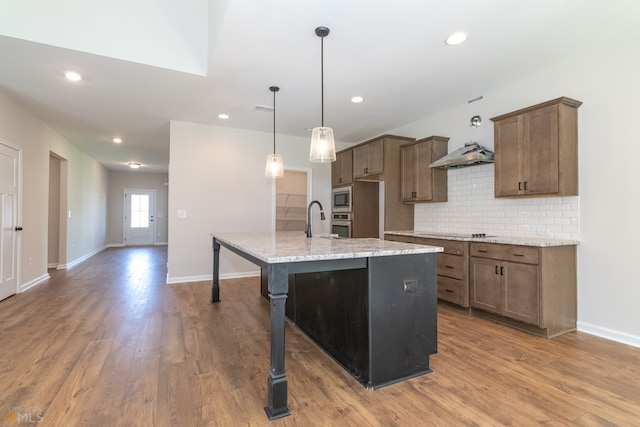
(506, 240)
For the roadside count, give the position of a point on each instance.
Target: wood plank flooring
(108, 343)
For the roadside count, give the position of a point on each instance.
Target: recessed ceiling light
(357, 99)
(117, 140)
(134, 165)
(73, 76)
(456, 39)
(223, 116)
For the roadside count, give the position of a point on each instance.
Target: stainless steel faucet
(309, 215)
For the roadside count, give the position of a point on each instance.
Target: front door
(8, 220)
(139, 214)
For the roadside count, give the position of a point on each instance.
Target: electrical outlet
(410, 285)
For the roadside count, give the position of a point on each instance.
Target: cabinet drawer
(524, 254)
(451, 290)
(451, 266)
(396, 238)
(450, 246)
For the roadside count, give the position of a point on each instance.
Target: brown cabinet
(452, 267)
(533, 288)
(419, 182)
(342, 168)
(378, 160)
(368, 160)
(536, 150)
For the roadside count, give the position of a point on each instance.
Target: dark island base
(378, 322)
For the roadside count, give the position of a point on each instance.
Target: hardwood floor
(108, 343)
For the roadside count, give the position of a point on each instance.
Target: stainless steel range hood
(470, 155)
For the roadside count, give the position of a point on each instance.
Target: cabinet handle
(484, 251)
(519, 186)
(525, 186)
(502, 271)
(518, 254)
(340, 180)
(366, 170)
(449, 290)
(497, 269)
(449, 266)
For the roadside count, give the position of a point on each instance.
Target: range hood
(470, 155)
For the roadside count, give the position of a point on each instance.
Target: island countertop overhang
(292, 246)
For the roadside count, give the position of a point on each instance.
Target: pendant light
(323, 147)
(274, 168)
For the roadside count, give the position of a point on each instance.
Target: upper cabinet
(536, 150)
(419, 182)
(342, 169)
(368, 160)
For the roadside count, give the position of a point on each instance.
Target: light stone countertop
(294, 246)
(507, 240)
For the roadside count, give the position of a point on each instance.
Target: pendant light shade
(323, 147)
(275, 167)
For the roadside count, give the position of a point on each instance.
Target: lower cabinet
(453, 267)
(533, 288)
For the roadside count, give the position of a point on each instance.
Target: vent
(265, 108)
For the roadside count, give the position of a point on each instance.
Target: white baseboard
(82, 258)
(115, 245)
(209, 277)
(610, 334)
(34, 282)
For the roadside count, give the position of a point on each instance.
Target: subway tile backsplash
(472, 208)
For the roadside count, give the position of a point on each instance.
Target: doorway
(9, 229)
(57, 225)
(291, 201)
(139, 217)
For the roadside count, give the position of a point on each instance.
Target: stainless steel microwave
(341, 200)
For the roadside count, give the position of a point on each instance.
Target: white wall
(138, 180)
(217, 177)
(605, 81)
(86, 192)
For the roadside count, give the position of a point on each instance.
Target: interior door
(8, 221)
(139, 215)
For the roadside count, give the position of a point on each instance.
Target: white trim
(610, 334)
(115, 245)
(82, 258)
(209, 277)
(34, 282)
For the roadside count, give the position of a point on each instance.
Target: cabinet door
(484, 284)
(336, 170)
(347, 167)
(376, 157)
(520, 292)
(424, 182)
(342, 169)
(541, 165)
(360, 161)
(508, 154)
(408, 173)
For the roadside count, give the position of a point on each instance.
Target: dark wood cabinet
(342, 169)
(533, 288)
(419, 182)
(378, 161)
(536, 150)
(368, 160)
(452, 267)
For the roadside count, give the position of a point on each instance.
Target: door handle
(18, 229)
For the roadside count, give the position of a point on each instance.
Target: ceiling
(160, 60)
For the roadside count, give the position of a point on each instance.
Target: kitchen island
(397, 302)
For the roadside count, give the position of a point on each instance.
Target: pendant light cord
(322, 79)
(274, 122)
